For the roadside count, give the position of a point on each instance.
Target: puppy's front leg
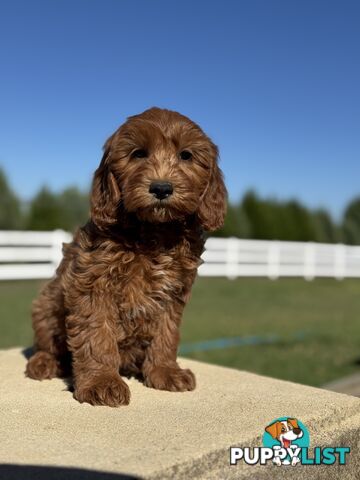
(96, 360)
(160, 369)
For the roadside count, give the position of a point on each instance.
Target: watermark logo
(286, 441)
(286, 435)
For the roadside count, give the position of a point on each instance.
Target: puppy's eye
(139, 153)
(185, 155)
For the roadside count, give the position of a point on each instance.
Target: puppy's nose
(160, 189)
(297, 431)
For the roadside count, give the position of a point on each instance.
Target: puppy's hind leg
(51, 357)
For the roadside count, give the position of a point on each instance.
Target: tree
(325, 229)
(302, 227)
(10, 211)
(74, 206)
(271, 219)
(236, 223)
(67, 210)
(259, 216)
(351, 222)
(44, 212)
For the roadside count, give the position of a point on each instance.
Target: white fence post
(232, 258)
(309, 261)
(58, 238)
(273, 260)
(339, 261)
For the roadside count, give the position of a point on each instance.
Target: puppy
(115, 305)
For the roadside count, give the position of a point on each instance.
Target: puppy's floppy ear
(273, 429)
(105, 193)
(212, 208)
(293, 422)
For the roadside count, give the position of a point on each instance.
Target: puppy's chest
(144, 283)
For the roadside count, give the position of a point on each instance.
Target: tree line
(47, 210)
(271, 219)
(252, 217)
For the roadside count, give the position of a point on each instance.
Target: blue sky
(275, 83)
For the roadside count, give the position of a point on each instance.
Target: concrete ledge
(164, 435)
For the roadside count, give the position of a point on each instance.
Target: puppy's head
(285, 431)
(160, 166)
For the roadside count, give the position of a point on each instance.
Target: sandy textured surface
(161, 434)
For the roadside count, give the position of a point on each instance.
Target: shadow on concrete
(35, 472)
(27, 352)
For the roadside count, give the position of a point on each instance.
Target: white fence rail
(35, 255)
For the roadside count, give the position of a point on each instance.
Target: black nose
(297, 431)
(161, 190)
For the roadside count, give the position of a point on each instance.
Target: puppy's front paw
(172, 379)
(41, 366)
(104, 389)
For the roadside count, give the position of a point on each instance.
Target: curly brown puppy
(115, 304)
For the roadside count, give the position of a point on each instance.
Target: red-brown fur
(115, 304)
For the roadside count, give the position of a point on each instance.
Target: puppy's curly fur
(115, 304)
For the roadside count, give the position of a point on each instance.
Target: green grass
(15, 308)
(325, 311)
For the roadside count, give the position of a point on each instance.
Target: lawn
(315, 325)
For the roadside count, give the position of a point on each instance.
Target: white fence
(232, 257)
(35, 255)
(30, 255)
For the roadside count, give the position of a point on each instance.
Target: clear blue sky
(275, 83)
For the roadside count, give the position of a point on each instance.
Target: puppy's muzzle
(161, 190)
